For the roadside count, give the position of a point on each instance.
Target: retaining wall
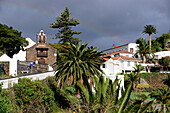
(10, 81)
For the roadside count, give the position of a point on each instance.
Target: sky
(102, 22)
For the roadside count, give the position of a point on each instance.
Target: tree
(11, 41)
(156, 46)
(138, 68)
(162, 94)
(149, 29)
(162, 40)
(64, 24)
(143, 48)
(78, 63)
(164, 61)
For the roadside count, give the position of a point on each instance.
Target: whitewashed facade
(130, 47)
(159, 55)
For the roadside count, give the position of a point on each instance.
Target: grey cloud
(119, 21)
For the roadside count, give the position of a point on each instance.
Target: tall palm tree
(149, 29)
(78, 62)
(143, 48)
(162, 94)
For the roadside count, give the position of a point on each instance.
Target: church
(41, 52)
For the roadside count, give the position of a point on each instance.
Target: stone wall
(31, 54)
(24, 68)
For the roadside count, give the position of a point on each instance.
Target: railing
(42, 55)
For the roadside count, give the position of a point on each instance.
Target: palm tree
(77, 62)
(143, 48)
(149, 29)
(138, 68)
(162, 94)
(132, 77)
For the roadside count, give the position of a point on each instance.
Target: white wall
(109, 67)
(124, 47)
(134, 46)
(162, 54)
(127, 67)
(9, 82)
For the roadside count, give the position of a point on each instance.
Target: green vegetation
(64, 24)
(32, 96)
(149, 29)
(143, 48)
(78, 85)
(78, 62)
(164, 61)
(11, 41)
(162, 94)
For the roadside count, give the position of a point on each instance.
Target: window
(104, 66)
(131, 50)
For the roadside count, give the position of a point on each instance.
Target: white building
(121, 64)
(21, 56)
(159, 55)
(130, 47)
(12, 64)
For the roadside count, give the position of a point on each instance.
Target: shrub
(33, 96)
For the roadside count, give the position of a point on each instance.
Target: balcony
(42, 55)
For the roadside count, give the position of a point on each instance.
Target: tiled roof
(106, 59)
(123, 57)
(128, 58)
(115, 58)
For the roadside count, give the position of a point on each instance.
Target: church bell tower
(41, 37)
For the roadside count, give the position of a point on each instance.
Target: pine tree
(64, 23)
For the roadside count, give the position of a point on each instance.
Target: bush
(7, 105)
(32, 96)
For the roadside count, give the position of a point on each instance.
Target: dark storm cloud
(103, 22)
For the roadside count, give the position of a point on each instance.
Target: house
(41, 52)
(118, 62)
(130, 47)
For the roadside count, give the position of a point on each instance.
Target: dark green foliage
(7, 102)
(11, 40)
(32, 96)
(156, 46)
(143, 48)
(78, 62)
(149, 29)
(59, 94)
(164, 61)
(64, 24)
(167, 80)
(162, 40)
(162, 94)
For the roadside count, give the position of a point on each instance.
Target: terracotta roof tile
(106, 59)
(115, 58)
(128, 58)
